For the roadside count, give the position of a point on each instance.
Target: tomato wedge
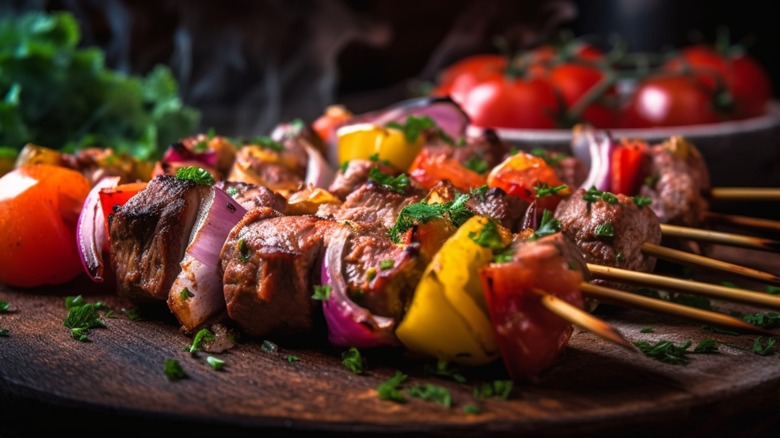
(428, 169)
(626, 167)
(521, 173)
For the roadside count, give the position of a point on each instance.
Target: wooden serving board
(116, 381)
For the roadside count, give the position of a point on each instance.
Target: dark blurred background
(248, 65)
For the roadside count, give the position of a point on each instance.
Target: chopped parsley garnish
(477, 164)
(243, 251)
(132, 314)
(267, 142)
(390, 389)
(647, 330)
(397, 184)
(543, 189)
(429, 392)
(729, 284)
(479, 192)
(5, 306)
(548, 157)
(196, 174)
(504, 256)
(322, 292)
(292, 358)
(215, 362)
(706, 346)
(4, 333)
(666, 351)
(497, 388)
(203, 335)
(606, 230)
(386, 264)
(773, 290)
(593, 195)
(353, 360)
(472, 409)
(641, 201)
(690, 300)
(764, 346)
(344, 166)
(548, 226)
(269, 347)
(232, 191)
(422, 212)
(173, 370)
(185, 294)
(619, 257)
(651, 180)
(488, 237)
(201, 146)
(766, 320)
(415, 125)
(445, 369)
(82, 317)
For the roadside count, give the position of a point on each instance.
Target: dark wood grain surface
(116, 381)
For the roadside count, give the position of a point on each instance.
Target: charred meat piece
(677, 179)
(270, 266)
(252, 196)
(494, 203)
(149, 235)
(610, 229)
(356, 174)
(380, 275)
(370, 203)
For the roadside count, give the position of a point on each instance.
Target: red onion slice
(350, 325)
(178, 153)
(91, 231)
(594, 149)
(318, 171)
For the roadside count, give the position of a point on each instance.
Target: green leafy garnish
(766, 320)
(344, 166)
(266, 142)
(215, 362)
(605, 230)
(548, 157)
(173, 370)
(203, 335)
(442, 368)
(422, 212)
(390, 389)
(647, 330)
(231, 191)
(269, 347)
(543, 189)
(651, 180)
(243, 251)
(415, 125)
(666, 351)
(4, 333)
(185, 294)
(708, 345)
(397, 184)
(322, 292)
(619, 257)
(429, 392)
(5, 306)
(497, 388)
(773, 290)
(477, 164)
(548, 226)
(472, 409)
(764, 346)
(697, 301)
(641, 201)
(593, 195)
(82, 317)
(292, 358)
(197, 174)
(479, 192)
(353, 360)
(488, 237)
(505, 256)
(386, 264)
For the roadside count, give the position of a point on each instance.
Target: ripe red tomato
(519, 174)
(669, 100)
(428, 169)
(742, 76)
(499, 101)
(460, 77)
(573, 81)
(39, 208)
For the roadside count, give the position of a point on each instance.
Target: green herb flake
(185, 294)
(132, 314)
(74, 301)
(769, 320)
(390, 389)
(397, 184)
(497, 388)
(386, 264)
(505, 256)
(292, 358)
(773, 290)
(203, 335)
(548, 226)
(552, 159)
(706, 346)
(543, 189)
(353, 360)
(415, 125)
(232, 191)
(488, 237)
(201, 146)
(477, 164)
(4, 333)
(433, 393)
(422, 212)
(472, 409)
(215, 363)
(763, 346)
(243, 251)
(666, 351)
(647, 330)
(593, 195)
(5, 306)
(173, 370)
(619, 257)
(729, 284)
(267, 142)
(479, 192)
(344, 166)
(322, 292)
(196, 174)
(641, 201)
(442, 368)
(651, 180)
(82, 317)
(696, 301)
(269, 347)
(605, 230)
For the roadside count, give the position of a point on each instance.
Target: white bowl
(738, 153)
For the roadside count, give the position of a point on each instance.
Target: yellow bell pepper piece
(448, 317)
(363, 140)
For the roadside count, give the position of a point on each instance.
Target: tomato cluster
(558, 86)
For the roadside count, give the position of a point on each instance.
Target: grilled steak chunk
(149, 235)
(371, 203)
(494, 203)
(269, 263)
(610, 233)
(252, 196)
(355, 175)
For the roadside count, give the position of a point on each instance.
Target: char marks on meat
(269, 264)
(356, 174)
(494, 203)
(252, 196)
(149, 235)
(610, 234)
(370, 203)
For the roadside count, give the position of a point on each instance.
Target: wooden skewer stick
(617, 297)
(582, 319)
(720, 237)
(749, 194)
(744, 221)
(744, 296)
(687, 258)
